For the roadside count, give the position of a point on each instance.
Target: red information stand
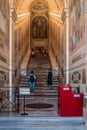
(70, 104)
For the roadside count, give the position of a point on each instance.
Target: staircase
(41, 106)
(41, 64)
(43, 95)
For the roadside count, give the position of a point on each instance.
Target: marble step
(45, 91)
(39, 71)
(43, 94)
(32, 95)
(38, 85)
(41, 123)
(37, 80)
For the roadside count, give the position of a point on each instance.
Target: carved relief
(39, 5)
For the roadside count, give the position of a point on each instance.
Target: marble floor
(37, 119)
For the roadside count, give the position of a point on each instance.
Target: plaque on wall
(23, 72)
(55, 71)
(76, 77)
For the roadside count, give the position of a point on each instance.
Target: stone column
(10, 58)
(67, 44)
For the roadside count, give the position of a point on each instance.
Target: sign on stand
(24, 92)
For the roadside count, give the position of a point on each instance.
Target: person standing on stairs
(45, 52)
(32, 78)
(49, 78)
(33, 53)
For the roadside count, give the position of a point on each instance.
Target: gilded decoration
(39, 6)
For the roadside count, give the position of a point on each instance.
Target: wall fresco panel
(77, 24)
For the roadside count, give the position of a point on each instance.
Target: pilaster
(10, 57)
(66, 18)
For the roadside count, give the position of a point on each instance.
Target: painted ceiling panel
(55, 6)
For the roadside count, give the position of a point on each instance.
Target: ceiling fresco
(54, 6)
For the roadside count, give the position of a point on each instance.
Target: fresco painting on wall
(55, 39)
(83, 76)
(2, 38)
(76, 23)
(62, 43)
(16, 44)
(72, 4)
(2, 78)
(7, 34)
(72, 32)
(76, 77)
(1, 4)
(58, 34)
(39, 28)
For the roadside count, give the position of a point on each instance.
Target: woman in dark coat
(49, 78)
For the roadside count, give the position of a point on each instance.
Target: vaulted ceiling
(54, 6)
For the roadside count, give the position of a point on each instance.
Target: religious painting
(39, 28)
(77, 24)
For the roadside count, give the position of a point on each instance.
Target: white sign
(65, 88)
(76, 95)
(24, 91)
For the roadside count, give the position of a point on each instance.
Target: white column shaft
(67, 47)
(10, 60)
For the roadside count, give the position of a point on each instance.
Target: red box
(77, 104)
(69, 104)
(65, 100)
